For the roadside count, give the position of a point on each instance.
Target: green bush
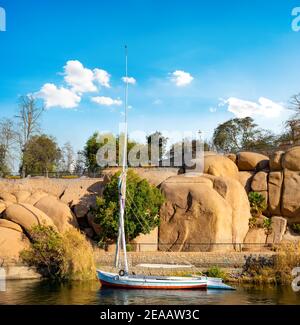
(215, 272)
(267, 225)
(143, 202)
(257, 204)
(60, 257)
(296, 228)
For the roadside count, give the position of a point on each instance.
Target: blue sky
(195, 63)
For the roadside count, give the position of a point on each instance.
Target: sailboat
(126, 280)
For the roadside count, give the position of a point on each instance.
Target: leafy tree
(242, 134)
(143, 202)
(28, 116)
(41, 156)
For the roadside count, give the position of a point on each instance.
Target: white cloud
(103, 77)
(106, 101)
(79, 78)
(181, 78)
(264, 107)
(157, 101)
(58, 97)
(212, 109)
(130, 80)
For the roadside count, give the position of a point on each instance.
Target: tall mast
(126, 112)
(122, 180)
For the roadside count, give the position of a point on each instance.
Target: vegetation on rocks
(257, 203)
(257, 206)
(142, 208)
(296, 228)
(274, 270)
(58, 256)
(215, 272)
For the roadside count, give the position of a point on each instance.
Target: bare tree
(295, 103)
(68, 157)
(29, 123)
(8, 141)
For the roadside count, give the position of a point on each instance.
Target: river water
(39, 292)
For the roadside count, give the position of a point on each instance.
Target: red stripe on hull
(125, 286)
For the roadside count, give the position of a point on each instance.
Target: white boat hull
(150, 282)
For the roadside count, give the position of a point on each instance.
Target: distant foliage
(60, 257)
(242, 134)
(143, 202)
(42, 155)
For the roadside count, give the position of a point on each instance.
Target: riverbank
(230, 263)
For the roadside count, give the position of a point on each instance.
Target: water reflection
(80, 293)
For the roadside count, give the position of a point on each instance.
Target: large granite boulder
(58, 212)
(233, 192)
(245, 178)
(3, 206)
(274, 192)
(12, 242)
(231, 156)
(218, 165)
(27, 216)
(290, 202)
(291, 159)
(35, 197)
(250, 161)
(195, 216)
(255, 239)
(156, 176)
(276, 161)
(21, 196)
(10, 225)
(278, 230)
(260, 184)
(8, 197)
(95, 226)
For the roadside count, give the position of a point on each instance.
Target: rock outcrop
(218, 165)
(260, 184)
(58, 212)
(278, 230)
(233, 192)
(250, 161)
(291, 159)
(12, 242)
(245, 178)
(255, 240)
(276, 161)
(201, 214)
(275, 192)
(27, 216)
(290, 206)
